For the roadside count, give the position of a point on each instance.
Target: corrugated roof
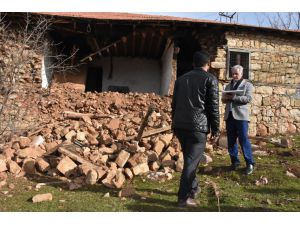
(144, 17)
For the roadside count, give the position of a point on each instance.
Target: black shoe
(189, 202)
(249, 169)
(195, 194)
(234, 166)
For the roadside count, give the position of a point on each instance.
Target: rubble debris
(92, 138)
(66, 166)
(122, 158)
(289, 174)
(3, 166)
(261, 181)
(42, 198)
(106, 195)
(14, 167)
(91, 177)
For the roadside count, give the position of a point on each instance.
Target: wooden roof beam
(150, 44)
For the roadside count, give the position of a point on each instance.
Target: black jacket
(195, 105)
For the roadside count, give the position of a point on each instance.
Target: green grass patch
(238, 192)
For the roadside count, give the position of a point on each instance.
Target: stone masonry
(275, 74)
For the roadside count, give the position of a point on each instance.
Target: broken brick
(69, 136)
(42, 198)
(91, 177)
(128, 173)
(8, 153)
(31, 152)
(107, 150)
(138, 158)
(158, 147)
(51, 147)
(154, 166)
(119, 179)
(42, 165)
(66, 166)
(100, 172)
(3, 166)
(122, 158)
(106, 139)
(140, 169)
(13, 167)
(80, 136)
(172, 151)
(92, 139)
(84, 169)
(87, 120)
(24, 142)
(166, 139)
(108, 180)
(113, 124)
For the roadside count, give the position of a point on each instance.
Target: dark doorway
(94, 79)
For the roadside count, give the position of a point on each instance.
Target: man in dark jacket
(195, 113)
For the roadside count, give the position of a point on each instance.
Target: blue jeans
(238, 129)
(192, 144)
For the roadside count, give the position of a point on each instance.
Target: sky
(250, 18)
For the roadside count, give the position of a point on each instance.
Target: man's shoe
(249, 169)
(195, 194)
(234, 166)
(181, 203)
(189, 202)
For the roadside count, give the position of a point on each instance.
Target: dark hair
(200, 58)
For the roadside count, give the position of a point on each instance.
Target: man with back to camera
(237, 118)
(195, 111)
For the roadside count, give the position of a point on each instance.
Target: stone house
(142, 53)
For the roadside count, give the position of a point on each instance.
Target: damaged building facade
(142, 53)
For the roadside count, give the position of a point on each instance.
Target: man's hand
(214, 138)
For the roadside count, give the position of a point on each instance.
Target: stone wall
(274, 58)
(275, 73)
(274, 110)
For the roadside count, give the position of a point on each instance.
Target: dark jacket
(195, 105)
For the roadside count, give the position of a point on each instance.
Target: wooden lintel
(150, 133)
(76, 115)
(151, 109)
(133, 43)
(142, 44)
(75, 156)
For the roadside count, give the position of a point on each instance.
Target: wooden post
(144, 123)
